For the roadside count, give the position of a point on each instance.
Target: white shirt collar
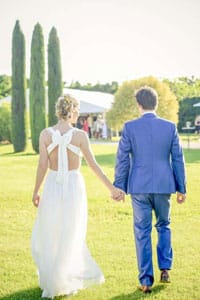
(149, 112)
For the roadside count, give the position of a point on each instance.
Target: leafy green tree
(75, 85)
(5, 86)
(187, 112)
(98, 87)
(184, 87)
(5, 123)
(125, 107)
(54, 74)
(37, 86)
(18, 90)
(114, 87)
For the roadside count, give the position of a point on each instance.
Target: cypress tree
(18, 104)
(54, 74)
(37, 86)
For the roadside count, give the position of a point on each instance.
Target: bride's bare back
(79, 140)
(73, 159)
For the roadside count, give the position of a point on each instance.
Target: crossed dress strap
(63, 142)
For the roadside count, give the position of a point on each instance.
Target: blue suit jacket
(149, 157)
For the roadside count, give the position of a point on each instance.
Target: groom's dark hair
(147, 98)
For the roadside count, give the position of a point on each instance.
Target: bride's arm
(41, 169)
(89, 157)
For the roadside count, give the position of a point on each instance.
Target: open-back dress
(59, 248)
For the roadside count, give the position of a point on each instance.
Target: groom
(150, 167)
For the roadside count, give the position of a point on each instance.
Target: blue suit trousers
(143, 205)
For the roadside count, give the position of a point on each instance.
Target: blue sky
(105, 40)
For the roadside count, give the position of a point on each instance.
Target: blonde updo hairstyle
(65, 106)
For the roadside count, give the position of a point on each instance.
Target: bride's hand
(36, 200)
(117, 194)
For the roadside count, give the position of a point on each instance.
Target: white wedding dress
(59, 249)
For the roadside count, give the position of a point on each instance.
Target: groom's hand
(180, 197)
(117, 194)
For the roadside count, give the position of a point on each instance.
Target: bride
(59, 249)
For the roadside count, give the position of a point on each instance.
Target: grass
(109, 233)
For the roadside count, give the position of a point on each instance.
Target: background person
(197, 124)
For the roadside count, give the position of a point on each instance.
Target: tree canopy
(125, 108)
(187, 112)
(37, 86)
(184, 87)
(18, 104)
(5, 123)
(55, 84)
(5, 86)
(98, 87)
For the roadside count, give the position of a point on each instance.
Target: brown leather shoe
(145, 289)
(164, 276)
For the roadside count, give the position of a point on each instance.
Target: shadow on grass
(137, 295)
(35, 294)
(15, 154)
(30, 294)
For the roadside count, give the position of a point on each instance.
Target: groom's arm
(122, 165)
(178, 164)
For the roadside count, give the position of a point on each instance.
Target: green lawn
(109, 233)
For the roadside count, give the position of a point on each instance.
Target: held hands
(180, 197)
(36, 200)
(117, 194)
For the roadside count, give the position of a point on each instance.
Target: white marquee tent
(90, 102)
